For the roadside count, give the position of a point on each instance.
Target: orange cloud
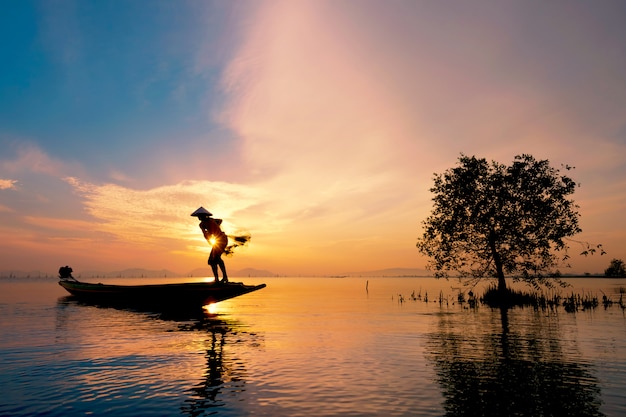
(7, 184)
(345, 111)
(58, 224)
(163, 213)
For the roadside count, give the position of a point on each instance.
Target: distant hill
(251, 272)
(393, 272)
(246, 272)
(27, 274)
(137, 273)
(148, 273)
(200, 272)
(242, 273)
(128, 273)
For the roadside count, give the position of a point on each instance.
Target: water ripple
(325, 349)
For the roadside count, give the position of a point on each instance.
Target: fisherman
(65, 272)
(217, 239)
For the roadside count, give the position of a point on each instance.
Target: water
(311, 346)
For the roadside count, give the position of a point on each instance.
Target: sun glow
(211, 308)
(212, 241)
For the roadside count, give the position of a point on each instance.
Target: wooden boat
(167, 296)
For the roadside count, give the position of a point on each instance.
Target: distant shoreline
(31, 276)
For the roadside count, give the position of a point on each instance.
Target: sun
(212, 241)
(211, 308)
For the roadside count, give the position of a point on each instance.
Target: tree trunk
(501, 282)
(498, 263)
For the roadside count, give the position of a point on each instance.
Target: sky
(315, 126)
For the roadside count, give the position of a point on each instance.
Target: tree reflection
(496, 371)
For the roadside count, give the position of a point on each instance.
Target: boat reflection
(516, 366)
(176, 313)
(170, 340)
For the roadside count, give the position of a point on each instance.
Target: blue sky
(314, 125)
(86, 79)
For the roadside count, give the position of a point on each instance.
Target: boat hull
(185, 295)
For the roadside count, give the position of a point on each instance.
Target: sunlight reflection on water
(309, 347)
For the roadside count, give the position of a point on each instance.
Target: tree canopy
(490, 220)
(616, 269)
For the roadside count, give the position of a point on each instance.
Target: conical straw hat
(201, 211)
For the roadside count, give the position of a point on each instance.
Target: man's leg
(223, 268)
(213, 266)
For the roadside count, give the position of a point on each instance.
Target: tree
(616, 269)
(492, 220)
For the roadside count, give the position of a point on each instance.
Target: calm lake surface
(311, 347)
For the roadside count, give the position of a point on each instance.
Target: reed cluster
(548, 300)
